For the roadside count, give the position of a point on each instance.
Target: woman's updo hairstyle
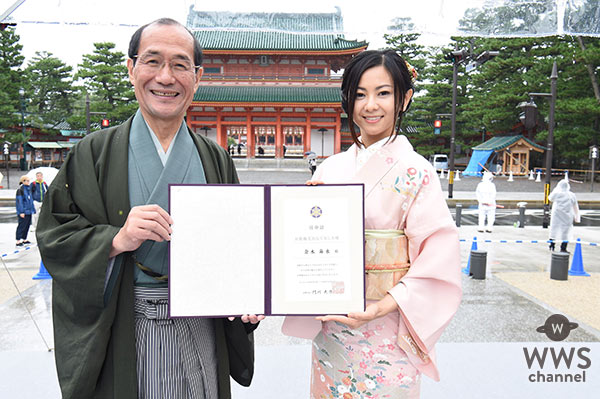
(394, 64)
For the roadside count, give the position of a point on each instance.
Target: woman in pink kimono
(411, 252)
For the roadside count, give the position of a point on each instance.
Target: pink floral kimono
(385, 358)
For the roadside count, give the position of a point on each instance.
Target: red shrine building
(271, 82)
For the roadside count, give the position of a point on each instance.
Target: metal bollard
(522, 206)
(458, 215)
(559, 266)
(522, 217)
(478, 264)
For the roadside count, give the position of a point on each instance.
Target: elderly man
(103, 236)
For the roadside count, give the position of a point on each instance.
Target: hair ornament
(413, 72)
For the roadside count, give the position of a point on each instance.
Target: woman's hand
(22, 215)
(313, 182)
(249, 318)
(373, 311)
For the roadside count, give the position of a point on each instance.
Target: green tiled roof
(501, 142)
(47, 144)
(291, 22)
(246, 40)
(268, 94)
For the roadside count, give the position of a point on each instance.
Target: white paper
(314, 258)
(217, 250)
(317, 249)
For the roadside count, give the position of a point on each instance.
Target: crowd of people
(28, 202)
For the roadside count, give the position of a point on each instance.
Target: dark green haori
(86, 205)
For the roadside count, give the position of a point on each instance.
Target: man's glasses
(154, 63)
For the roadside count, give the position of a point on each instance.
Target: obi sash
(386, 261)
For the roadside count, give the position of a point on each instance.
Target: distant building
(512, 153)
(277, 88)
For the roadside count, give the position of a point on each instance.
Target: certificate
(266, 249)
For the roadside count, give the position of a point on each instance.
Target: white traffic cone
(566, 175)
(510, 176)
(442, 174)
(457, 175)
(531, 175)
(538, 178)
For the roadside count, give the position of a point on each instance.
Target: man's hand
(373, 311)
(144, 222)
(22, 215)
(249, 318)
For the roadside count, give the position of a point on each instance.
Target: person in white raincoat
(565, 210)
(486, 197)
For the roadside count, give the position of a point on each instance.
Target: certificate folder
(266, 249)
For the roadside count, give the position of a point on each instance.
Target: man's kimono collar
(149, 184)
(154, 178)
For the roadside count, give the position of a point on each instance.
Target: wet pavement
(481, 353)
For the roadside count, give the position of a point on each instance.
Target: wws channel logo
(547, 360)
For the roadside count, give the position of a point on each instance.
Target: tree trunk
(590, 69)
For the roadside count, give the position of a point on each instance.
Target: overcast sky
(68, 28)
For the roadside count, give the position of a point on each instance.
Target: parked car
(439, 161)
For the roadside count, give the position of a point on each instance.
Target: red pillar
(278, 136)
(221, 136)
(250, 139)
(306, 138)
(337, 135)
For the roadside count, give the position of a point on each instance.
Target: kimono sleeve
(74, 239)
(428, 296)
(74, 234)
(576, 214)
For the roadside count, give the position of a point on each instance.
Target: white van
(439, 161)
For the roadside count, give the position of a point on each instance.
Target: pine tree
(106, 80)
(524, 65)
(403, 39)
(10, 81)
(49, 85)
(417, 122)
(488, 97)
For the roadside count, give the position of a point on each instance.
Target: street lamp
(529, 116)
(458, 57)
(22, 97)
(550, 144)
(7, 160)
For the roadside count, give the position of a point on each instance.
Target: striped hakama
(176, 358)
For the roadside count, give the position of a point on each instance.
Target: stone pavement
(481, 354)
